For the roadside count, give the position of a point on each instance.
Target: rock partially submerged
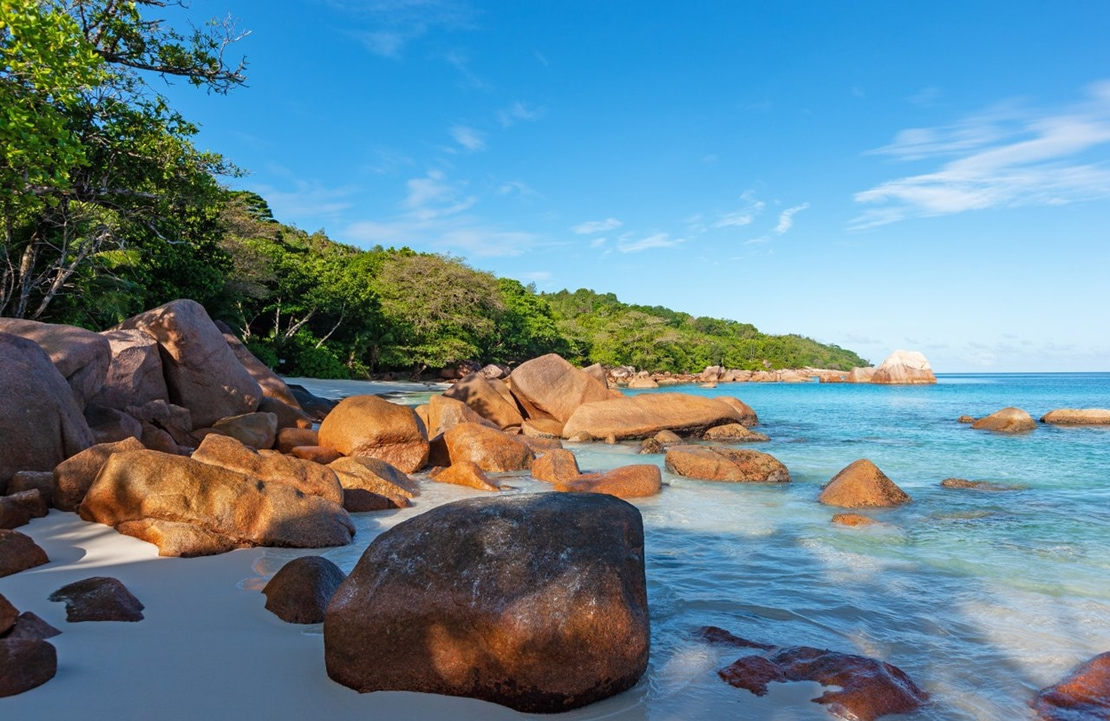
(1083, 696)
(636, 481)
(1007, 420)
(861, 484)
(536, 602)
(720, 463)
(1077, 417)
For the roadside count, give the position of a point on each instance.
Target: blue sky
(879, 175)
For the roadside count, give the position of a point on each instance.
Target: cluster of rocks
(1015, 420)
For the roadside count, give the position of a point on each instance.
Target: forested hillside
(108, 209)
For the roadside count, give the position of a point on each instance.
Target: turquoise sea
(982, 597)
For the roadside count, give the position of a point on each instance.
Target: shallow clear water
(981, 597)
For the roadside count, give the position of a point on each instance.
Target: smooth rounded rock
(301, 590)
(861, 484)
(369, 426)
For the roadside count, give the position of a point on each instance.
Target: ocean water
(982, 597)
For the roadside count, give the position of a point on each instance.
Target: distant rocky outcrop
(904, 367)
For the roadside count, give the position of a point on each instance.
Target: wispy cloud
(596, 226)
(303, 201)
(470, 79)
(786, 218)
(385, 27)
(471, 139)
(433, 196)
(518, 112)
(1007, 157)
(739, 218)
(628, 243)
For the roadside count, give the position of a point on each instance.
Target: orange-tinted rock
(316, 454)
(963, 483)
(641, 382)
(555, 466)
(18, 553)
(182, 540)
(966, 419)
(1077, 417)
(370, 426)
(861, 484)
(542, 428)
(445, 413)
(716, 463)
(307, 477)
(41, 423)
(1007, 420)
(852, 519)
(860, 375)
(734, 433)
(257, 430)
(550, 387)
(537, 602)
(748, 418)
(290, 438)
(201, 371)
(486, 398)
(301, 590)
(464, 473)
(540, 445)
(25, 664)
(720, 637)
(100, 598)
(73, 477)
(646, 414)
(868, 688)
(904, 367)
(151, 486)
(492, 450)
(1083, 696)
(376, 476)
(636, 481)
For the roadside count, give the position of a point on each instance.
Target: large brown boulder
(1007, 420)
(718, 463)
(748, 418)
(201, 372)
(80, 355)
(488, 399)
(636, 481)
(1083, 696)
(362, 473)
(257, 430)
(904, 367)
(18, 553)
(370, 426)
(135, 374)
(549, 387)
(17, 509)
(861, 484)
(307, 477)
(155, 495)
(491, 449)
(1078, 417)
(41, 423)
(537, 602)
(73, 477)
(645, 415)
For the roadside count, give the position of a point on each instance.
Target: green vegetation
(108, 209)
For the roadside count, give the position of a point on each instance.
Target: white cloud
(1007, 157)
(306, 200)
(434, 196)
(626, 244)
(596, 226)
(471, 139)
(515, 186)
(598, 242)
(385, 27)
(786, 218)
(737, 219)
(518, 112)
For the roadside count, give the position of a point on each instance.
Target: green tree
(100, 185)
